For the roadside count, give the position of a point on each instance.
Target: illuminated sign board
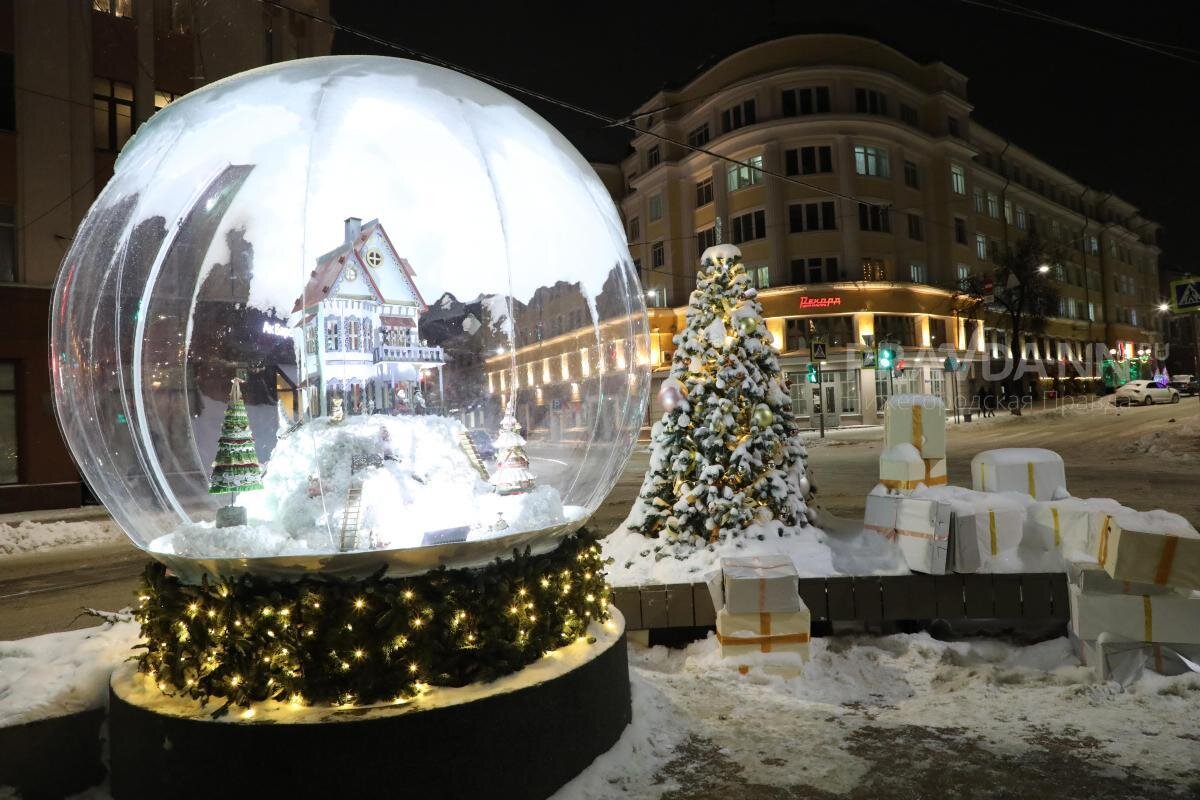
(819, 302)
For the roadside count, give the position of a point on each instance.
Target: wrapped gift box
(1065, 525)
(1031, 470)
(921, 528)
(757, 584)
(741, 634)
(1090, 577)
(1123, 660)
(1162, 618)
(901, 467)
(1149, 547)
(982, 536)
(916, 419)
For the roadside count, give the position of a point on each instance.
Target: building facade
(77, 78)
(357, 323)
(891, 196)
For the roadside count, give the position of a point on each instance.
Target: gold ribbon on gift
(1102, 552)
(764, 640)
(1032, 483)
(1057, 535)
(992, 530)
(1147, 620)
(893, 483)
(982, 479)
(1166, 559)
(916, 427)
(892, 533)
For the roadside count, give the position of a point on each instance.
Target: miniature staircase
(468, 447)
(350, 516)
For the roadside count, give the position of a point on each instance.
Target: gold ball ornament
(763, 416)
(747, 325)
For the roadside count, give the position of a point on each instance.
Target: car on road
(1144, 393)
(483, 443)
(1186, 385)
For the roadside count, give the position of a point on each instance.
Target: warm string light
(321, 641)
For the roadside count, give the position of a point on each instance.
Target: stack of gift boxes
(1134, 576)
(759, 607)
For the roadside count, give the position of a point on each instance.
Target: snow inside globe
(348, 312)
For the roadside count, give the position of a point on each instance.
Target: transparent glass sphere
(347, 310)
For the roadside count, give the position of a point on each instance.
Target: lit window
(1021, 217)
(118, 8)
(958, 179)
(981, 246)
(748, 174)
(918, 273)
(872, 161)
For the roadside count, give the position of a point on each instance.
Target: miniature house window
(374, 257)
(310, 337)
(368, 340)
(352, 332)
(332, 334)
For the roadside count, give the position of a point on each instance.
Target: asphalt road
(44, 592)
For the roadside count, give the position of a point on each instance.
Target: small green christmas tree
(235, 468)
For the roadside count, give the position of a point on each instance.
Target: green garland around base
(321, 640)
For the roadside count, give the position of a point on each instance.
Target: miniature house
(357, 325)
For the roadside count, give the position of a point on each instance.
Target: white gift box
(1155, 547)
(760, 584)
(1090, 578)
(1065, 525)
(916, 419)
(982, 536)
(1122, 660)
(901, 467)
(1162, 618)
(1033, 471)
(921, 528)
(741, 634)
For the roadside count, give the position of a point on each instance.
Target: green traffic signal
(885, 358)
(812, 373)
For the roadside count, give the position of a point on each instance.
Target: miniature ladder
(468, 447)
(350, 516)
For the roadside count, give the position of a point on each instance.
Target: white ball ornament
(747, 325)
(671, 394)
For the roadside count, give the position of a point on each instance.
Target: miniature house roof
(330, 267)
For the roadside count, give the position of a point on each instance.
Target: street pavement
(43, 592)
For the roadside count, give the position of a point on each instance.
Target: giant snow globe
(349, 312)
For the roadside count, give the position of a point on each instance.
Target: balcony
(410, 354)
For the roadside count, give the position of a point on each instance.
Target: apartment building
(76, 81)
(891, 195)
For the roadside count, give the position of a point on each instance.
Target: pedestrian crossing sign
(818, 351)
(1186, 294)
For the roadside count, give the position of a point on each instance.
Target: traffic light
(812, 373)
(886, 357)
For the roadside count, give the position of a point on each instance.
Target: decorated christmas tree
(725, 456)
(512, 475)
(235, 468)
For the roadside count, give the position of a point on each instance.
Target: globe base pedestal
(512, 739)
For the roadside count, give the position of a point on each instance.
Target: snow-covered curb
(36, 537)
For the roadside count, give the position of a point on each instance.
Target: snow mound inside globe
(392, 262)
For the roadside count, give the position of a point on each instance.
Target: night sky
(1117, 117)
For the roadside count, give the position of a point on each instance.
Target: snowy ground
(900, 716)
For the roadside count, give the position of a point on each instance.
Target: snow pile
(635, 562)
(702, 729)
(1180, 442)
(414, 479)
(1156, 521)
(32, 537)
(968, 501)
(61, 673)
